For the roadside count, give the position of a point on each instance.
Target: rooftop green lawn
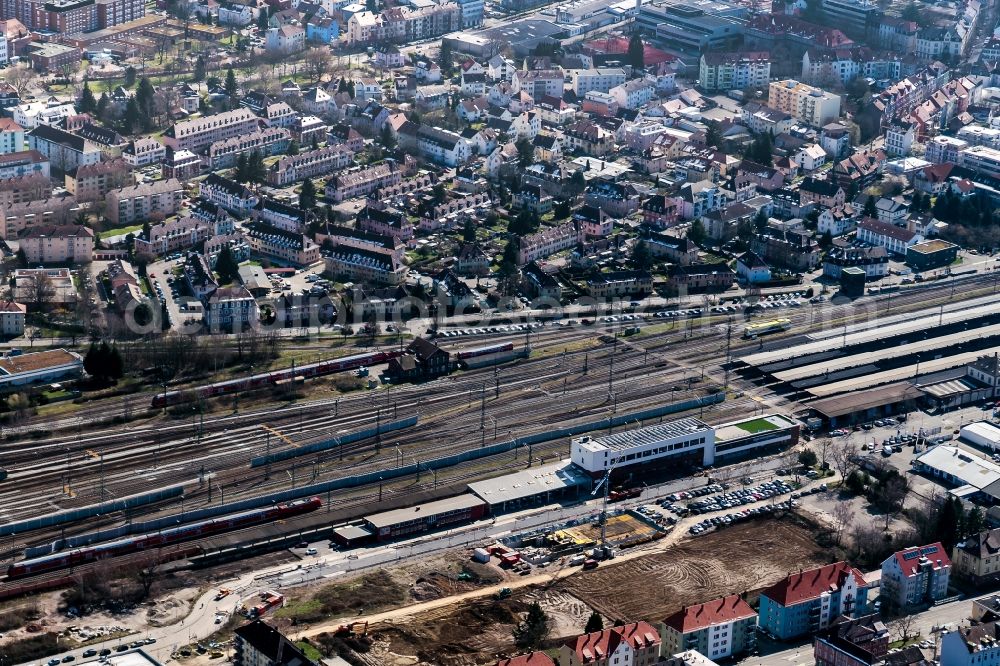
(757, 425)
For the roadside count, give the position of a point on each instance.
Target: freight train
(162, 538)
(266, 379)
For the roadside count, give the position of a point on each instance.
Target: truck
(590, 564)
(269, 600)
(223, 593)
(503, 593)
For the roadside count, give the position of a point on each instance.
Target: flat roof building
(424, 517)
(535, 484)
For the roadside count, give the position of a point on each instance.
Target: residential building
(811, 600)
(763, 119)
(286, 39)
(899, 139)
(734, 70)
(58, 245)
(894, 239)
(199, 133)
(860, 642)
(281, 215)
(635, 644)
(803, 102)
(234, 197)
(634, 94)
(287, 247)
(176, 234)
(915, 577)
(365, 266)
(136, 203)
(471, 260)
(874, 261)
(811, 157)
(92, 182)
(198, 275)
(752, 269)
(22, 189)
(361, 181)
(718, 629)
(64, 150)
(12, 319)
(233, 309)
(309, 164)
(696, 277)
(977, 558)
(25, 163)
(436, 144)
(978, 645)
(825, 192)
(539, 82)
(143, 151)
(20, 217)
(620, 283)
(182, 165)
(582, 81)
(11, 136)
(268, 141)
(32, 114)
(676, 250)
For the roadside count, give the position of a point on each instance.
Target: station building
(686, 441)
(425, 517)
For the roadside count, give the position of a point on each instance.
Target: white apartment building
(634, 94)
(602, 79)
(734, 70)
(941, 149)
(915, 576)
(539, 82)
(549, 241)
(982, 159)
(144, 151)
(806, 103)
(309, 164)
(230, 308)
(11, 136)
(361, 180)
(138, 203)
(882, 234)
(58, 245)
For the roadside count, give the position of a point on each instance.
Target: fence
(74, 515)
(327, 444)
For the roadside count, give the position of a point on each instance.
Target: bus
(764, 327)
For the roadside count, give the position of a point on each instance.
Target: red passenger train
(265, 379)
(162, 538)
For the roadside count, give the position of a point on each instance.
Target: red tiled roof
(810, 584)
(530, 659)
(598, 645)
(718, 611)
(909, 559)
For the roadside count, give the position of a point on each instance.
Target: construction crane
(604, 483)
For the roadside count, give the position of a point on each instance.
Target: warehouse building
(771, 431)
(969, 473)
(981, 433)
(425, 517)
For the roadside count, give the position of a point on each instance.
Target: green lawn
(757, 425)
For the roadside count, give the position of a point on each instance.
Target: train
(265, 379)
(484, 351)
(764, 327)
(162, 538)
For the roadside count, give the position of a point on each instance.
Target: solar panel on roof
(911, 556)
(929, 550)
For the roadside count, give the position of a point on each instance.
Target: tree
(525, 153)
(807, 457)
(642, 259)
(130, 75)
(843, 453)
(371, 6)
(635, 55)
(889, 495)
(293, 147)
(857, 482)
(761, 149)
(231, 86)
(870, 209)
(42, 290)
(469, 231)
(307, 195)
(530, 633)
(131, 119)
(713, 137)
(843, 516)
(594, 623)
(525, 223)
(903, 627)
(696, 233)
(911, 12)
(226, 266)
(20, 77)
(446, 59)
(387, 138)
(318, 61)
(578, 181)
(949, 523)
(87, 103)
(199, 69)
(975, 522)
(262, 22)
(144, 99)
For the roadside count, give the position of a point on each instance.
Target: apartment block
(18, 218)
(269, 141)
(198, 134)
(11, 137)
(309, 164)
(234, 197)
(860, 642)
(718, 629)
(92, 182)
(143, 151)
(549, 241)
(806, 103)
(635, 644)
(287, 247)
(809, 601)
(977, 557)
(138, 203)
(916, 576)
(602, 80)
(734, 70)
(64, 150)
(365, 266)
(58, 245)
(175, 234)
(361, 181)
(231, 309)
(24, 163)
(25, 188)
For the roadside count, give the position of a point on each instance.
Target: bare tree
(843, 516)
(869, 542)
(146, 573)
(317, 62)
(891, 497)
(843, 453)
(903, 628)
(20, 77)
(42, 289)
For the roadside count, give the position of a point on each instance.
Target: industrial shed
(982, 433)
(425, 517)
(532, 486)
